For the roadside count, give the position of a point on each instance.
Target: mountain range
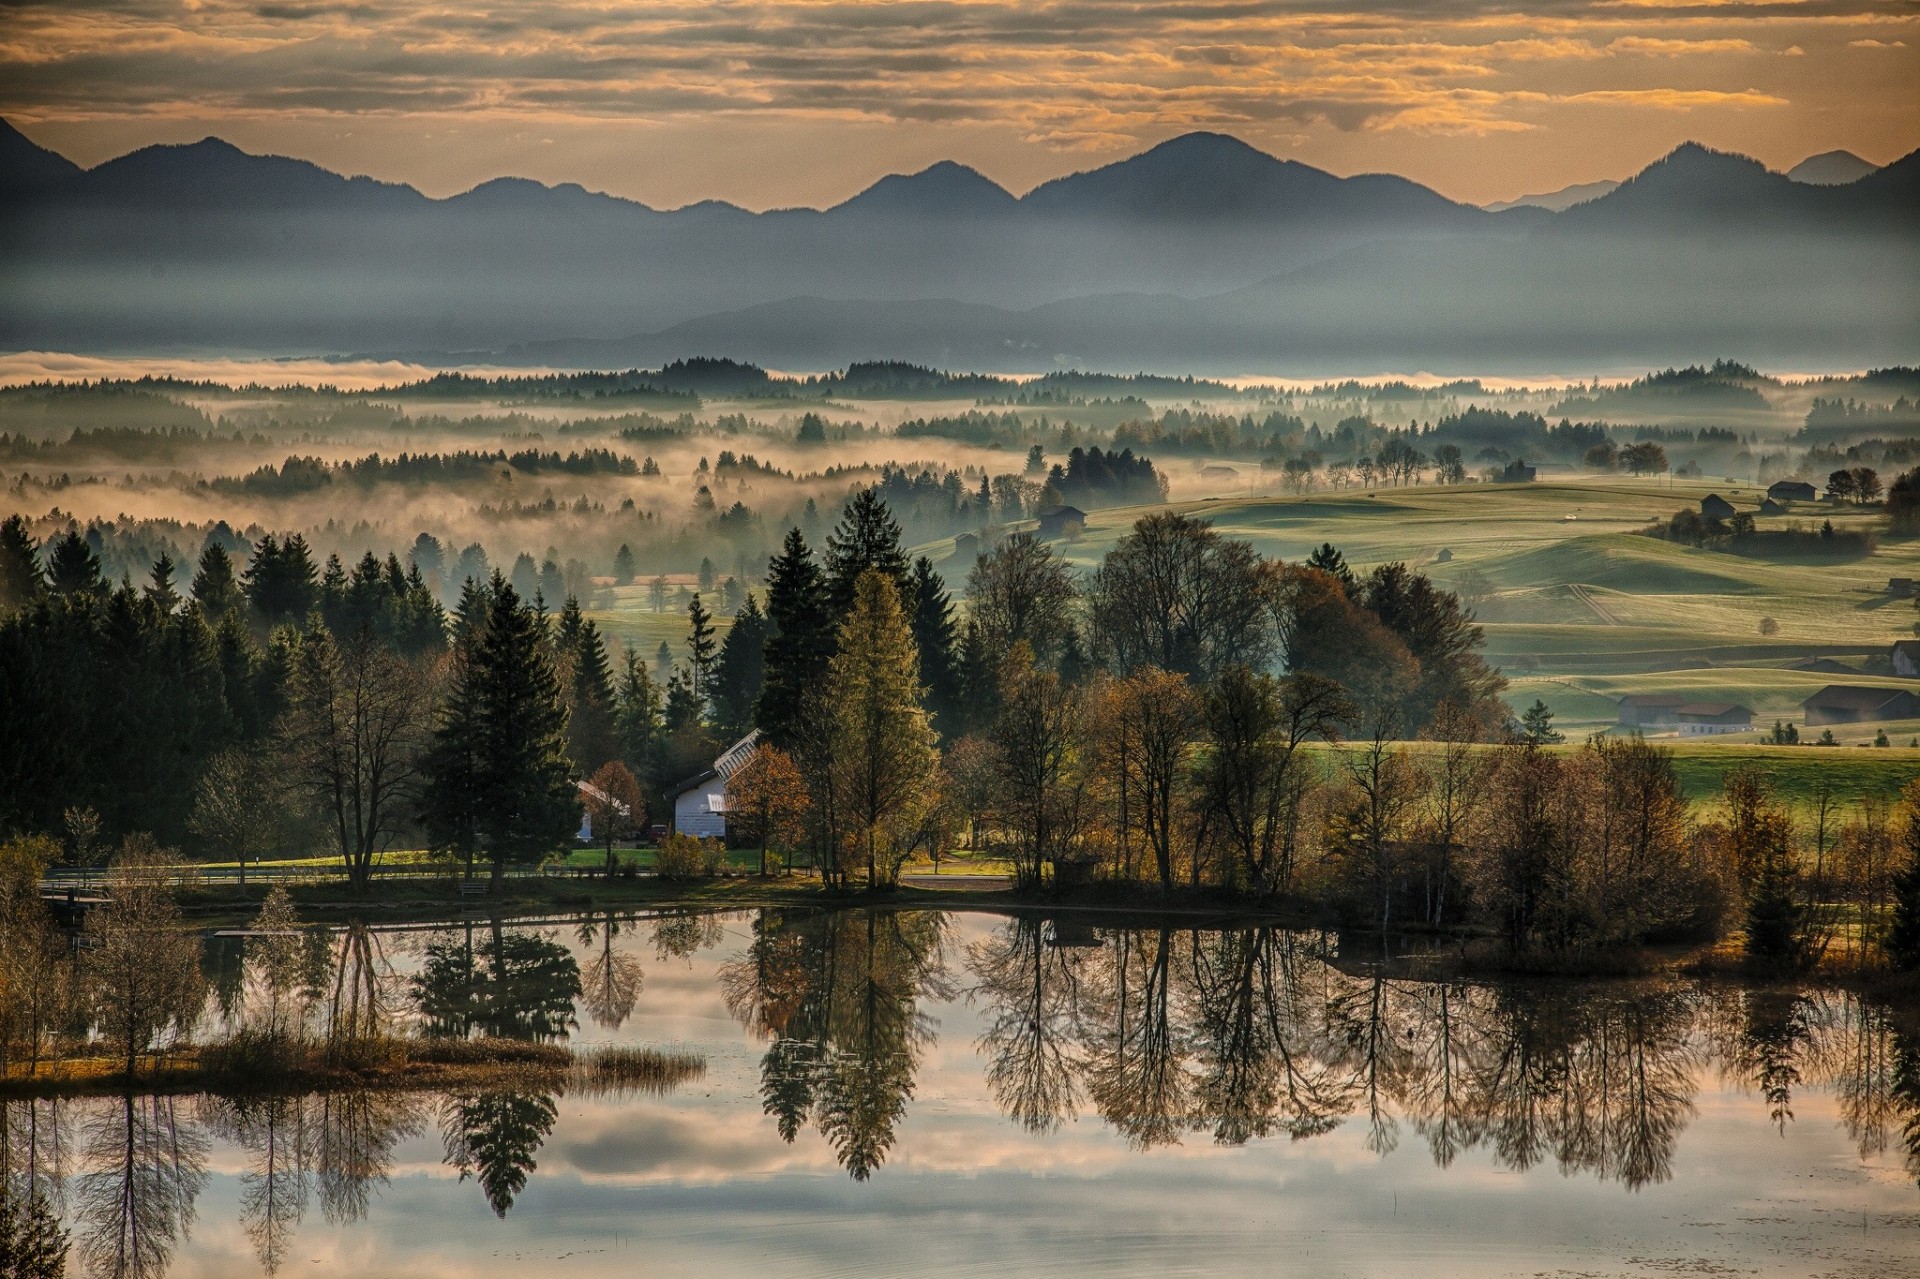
(1201, 253)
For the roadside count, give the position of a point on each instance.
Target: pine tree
(799, 639)
(1776, 917)
(1328, 559)
(882, 748)
(498, 773)
(977, 680)
(1536, 725)
(160, 590)
(868, 537)
(933, 636)
(214, 587)
(72, 566)
(740, 673)
(702, 647)
(637, 714)
(21, 582)
(623, 565)
(591, 739)
(1903, 939)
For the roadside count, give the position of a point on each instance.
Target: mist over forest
(1199, 255)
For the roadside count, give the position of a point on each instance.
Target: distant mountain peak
(27, 166)
(1832, 169)
(947, 188)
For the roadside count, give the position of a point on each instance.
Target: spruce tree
(623, 565)
(933, 636)
(591, 739)
(799, 639)
(1776, 917)
(637, 714)
(214, 587)
(21, 581)
(160, 591)
(702, 648)
(1328, 559)
(1903, 939)
(73, 567)
(527, 804)
(1536, 725)
(740, 673)
(868, 537)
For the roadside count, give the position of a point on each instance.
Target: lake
(912, 1093)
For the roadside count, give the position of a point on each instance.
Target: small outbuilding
(1859, 704)
(1709, 719)
(1905, 658)
(1652, 710)
(1443, 556)
(1715, 507)
(700, 802)
(1062, 521)
(1900, 588)
(1791, 491)
(966, 548)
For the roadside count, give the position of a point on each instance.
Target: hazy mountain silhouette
(1556, 201)
(944, 190)
(27, 166)
(1831, 169)
(1201, 250)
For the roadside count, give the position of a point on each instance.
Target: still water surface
(917, 1094)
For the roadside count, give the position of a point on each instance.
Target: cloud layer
(1089, 76)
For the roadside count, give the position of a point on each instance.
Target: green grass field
(1584, 610)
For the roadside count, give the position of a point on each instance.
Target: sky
(774, 103)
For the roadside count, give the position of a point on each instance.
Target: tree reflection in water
(493, 1136)
(838, 995)
(144, 1166)
(513, 984)
(274, 1131)
(1243, 1033)
(611, 985)
(1230, 1035)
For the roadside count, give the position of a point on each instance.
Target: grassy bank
(392, 1064)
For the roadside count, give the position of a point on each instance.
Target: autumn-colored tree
(1157, 717)
(615, 805)
(883, 755)
(142, 966)
(1035, 738)
(1252, 781)
(33, 969)
(767, 800)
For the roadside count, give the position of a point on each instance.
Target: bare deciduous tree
(354, 731)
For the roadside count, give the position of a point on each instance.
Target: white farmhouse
(700, 802)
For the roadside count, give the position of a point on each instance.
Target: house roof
(1654, 699)
(729, 762)
(1855, 696)
(1063, 513)
(1707, 710)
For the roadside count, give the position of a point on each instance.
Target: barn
(1855, 704)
